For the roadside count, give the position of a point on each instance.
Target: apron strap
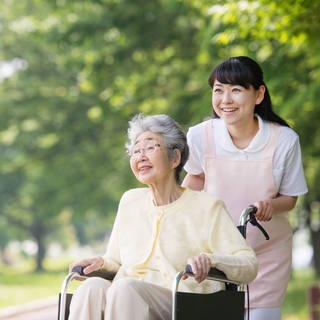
(207, 139)
(269, 149)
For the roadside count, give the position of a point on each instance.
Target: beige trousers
(125, 299)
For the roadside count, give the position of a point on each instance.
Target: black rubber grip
(79, 270)
(188, 269)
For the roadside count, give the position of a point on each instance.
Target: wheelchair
(222, 305)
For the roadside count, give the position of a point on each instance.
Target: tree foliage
(84, 68)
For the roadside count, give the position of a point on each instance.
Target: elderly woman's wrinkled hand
(200, 265)
(90, 264)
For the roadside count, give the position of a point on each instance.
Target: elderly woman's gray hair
(172, 136)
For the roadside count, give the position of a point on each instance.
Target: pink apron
(241, 183)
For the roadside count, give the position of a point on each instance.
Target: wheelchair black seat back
(226, 304)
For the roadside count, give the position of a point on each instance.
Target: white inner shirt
(287, 164)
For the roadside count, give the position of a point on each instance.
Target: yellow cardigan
(196, 223)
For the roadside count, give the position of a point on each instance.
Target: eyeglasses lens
(147, 149)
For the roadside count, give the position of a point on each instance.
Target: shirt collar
(259, 141)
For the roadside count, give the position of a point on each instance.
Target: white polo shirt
(287, 163)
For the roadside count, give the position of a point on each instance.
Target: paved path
(44, 309)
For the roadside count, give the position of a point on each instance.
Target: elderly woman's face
(150, 163)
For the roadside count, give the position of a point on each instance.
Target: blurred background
(72, 73)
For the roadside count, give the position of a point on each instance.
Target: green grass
(295, 306)
(19, 284)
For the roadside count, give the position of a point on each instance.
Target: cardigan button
(164, 275)
(157, 257)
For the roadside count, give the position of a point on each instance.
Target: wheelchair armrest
(213, 272)
(108, 275)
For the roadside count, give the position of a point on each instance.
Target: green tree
(84, 68)
(91, 66)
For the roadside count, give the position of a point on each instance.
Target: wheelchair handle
(250, 211)
(245, 213)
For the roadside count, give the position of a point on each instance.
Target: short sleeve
(293, 181)
(195, 163)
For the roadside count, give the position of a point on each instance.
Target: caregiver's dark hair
(244, 71)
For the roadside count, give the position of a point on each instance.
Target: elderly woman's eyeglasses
(148, 149)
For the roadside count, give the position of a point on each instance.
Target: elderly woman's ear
(176, 159)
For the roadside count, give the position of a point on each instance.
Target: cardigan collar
(170, 208)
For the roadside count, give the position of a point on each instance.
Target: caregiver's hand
(265, 210)
(200, 265)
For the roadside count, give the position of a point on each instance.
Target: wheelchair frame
(214, 274)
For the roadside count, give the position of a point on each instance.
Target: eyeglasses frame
(134, 156)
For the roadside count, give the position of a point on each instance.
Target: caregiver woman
(157, 231)
(249, 155)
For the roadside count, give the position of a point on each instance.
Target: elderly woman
(157, 231)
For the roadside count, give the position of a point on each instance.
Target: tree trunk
(41, 255)
(315, 240)
(38, 232)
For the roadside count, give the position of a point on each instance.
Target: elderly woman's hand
(90, 264)
(200, 265)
